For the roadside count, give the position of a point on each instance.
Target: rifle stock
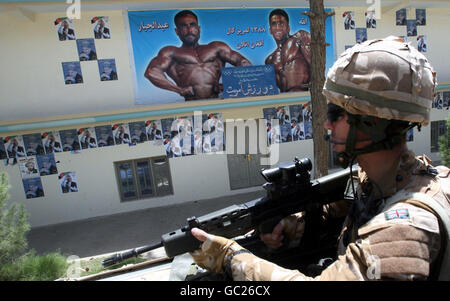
(289, 190)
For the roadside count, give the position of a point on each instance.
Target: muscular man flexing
(195, 68)
(292, 57)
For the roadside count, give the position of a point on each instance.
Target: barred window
(143, 178)
(438, 129)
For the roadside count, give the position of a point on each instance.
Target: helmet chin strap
(376, 128)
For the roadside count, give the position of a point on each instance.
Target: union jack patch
(397, 214)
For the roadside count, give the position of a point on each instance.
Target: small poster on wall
(107, 69)
(121, 133)
(33, 187)
(87, 138)
(72, 73)
(422, 44)
(104, 135)
(349, 20)
(68, 182)
(371, 22)
(46, 164)
(137, 132)
(411, 28)
(421, 17)
(51, 142)
(166, 125)
(65, 29)
(361, 35)
(213, 133)
(154, 131)
(33, 144)
(69, 140)
(101, 27)
(14, 148)
(86, 50)
(28, 167)
(400, 17)
(2, 149)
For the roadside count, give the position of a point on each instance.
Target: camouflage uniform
(406, 235)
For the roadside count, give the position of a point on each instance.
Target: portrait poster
(2, 149)
(69, 140)
(86, 50)
(182, 138)
(33, 144)
(33, 188)
(87, 138)
(65, 29)
(421, 17)
(107, 69)
(361, 35)
(411, 28)
(101, 27)
(437, 101)
(371, 21)
(297, 124)
(46, 164)
(138, 132)
(104, 135)
(166, 126)
(28, 167)
(445, 100)
(15, 147)
(349, 20)
(422, 44)
(307, 120)
(213, 133)
(52, 142)
(400, 17)
(68, 182)
(121, 133)
(154, 131)
(245, 33)
(72, 73)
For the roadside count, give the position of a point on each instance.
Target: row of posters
(442, 101)
(293, 123)
(65, 28)
(180, 136)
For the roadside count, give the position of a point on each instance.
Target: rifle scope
(287, 170)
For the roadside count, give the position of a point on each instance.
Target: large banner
(179, 55)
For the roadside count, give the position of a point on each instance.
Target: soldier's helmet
(385, 78)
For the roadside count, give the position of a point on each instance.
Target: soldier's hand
(213, 252)
(292, 227)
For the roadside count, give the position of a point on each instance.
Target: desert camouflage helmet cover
(386, 78)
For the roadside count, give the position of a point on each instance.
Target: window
(143, 178)
(438, 128)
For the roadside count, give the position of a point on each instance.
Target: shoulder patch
(402, 213)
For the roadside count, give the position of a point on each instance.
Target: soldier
(292, 57)
(398, 223)
(195, 68)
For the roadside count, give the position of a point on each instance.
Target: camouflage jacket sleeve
(388, 248)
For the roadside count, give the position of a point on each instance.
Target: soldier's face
(279, 27)
(188, 29)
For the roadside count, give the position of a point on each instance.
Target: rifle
(289, 189)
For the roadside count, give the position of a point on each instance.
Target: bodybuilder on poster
(292, 57)
(195, 68)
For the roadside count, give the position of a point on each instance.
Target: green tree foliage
(13, 225)
(444, 144)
